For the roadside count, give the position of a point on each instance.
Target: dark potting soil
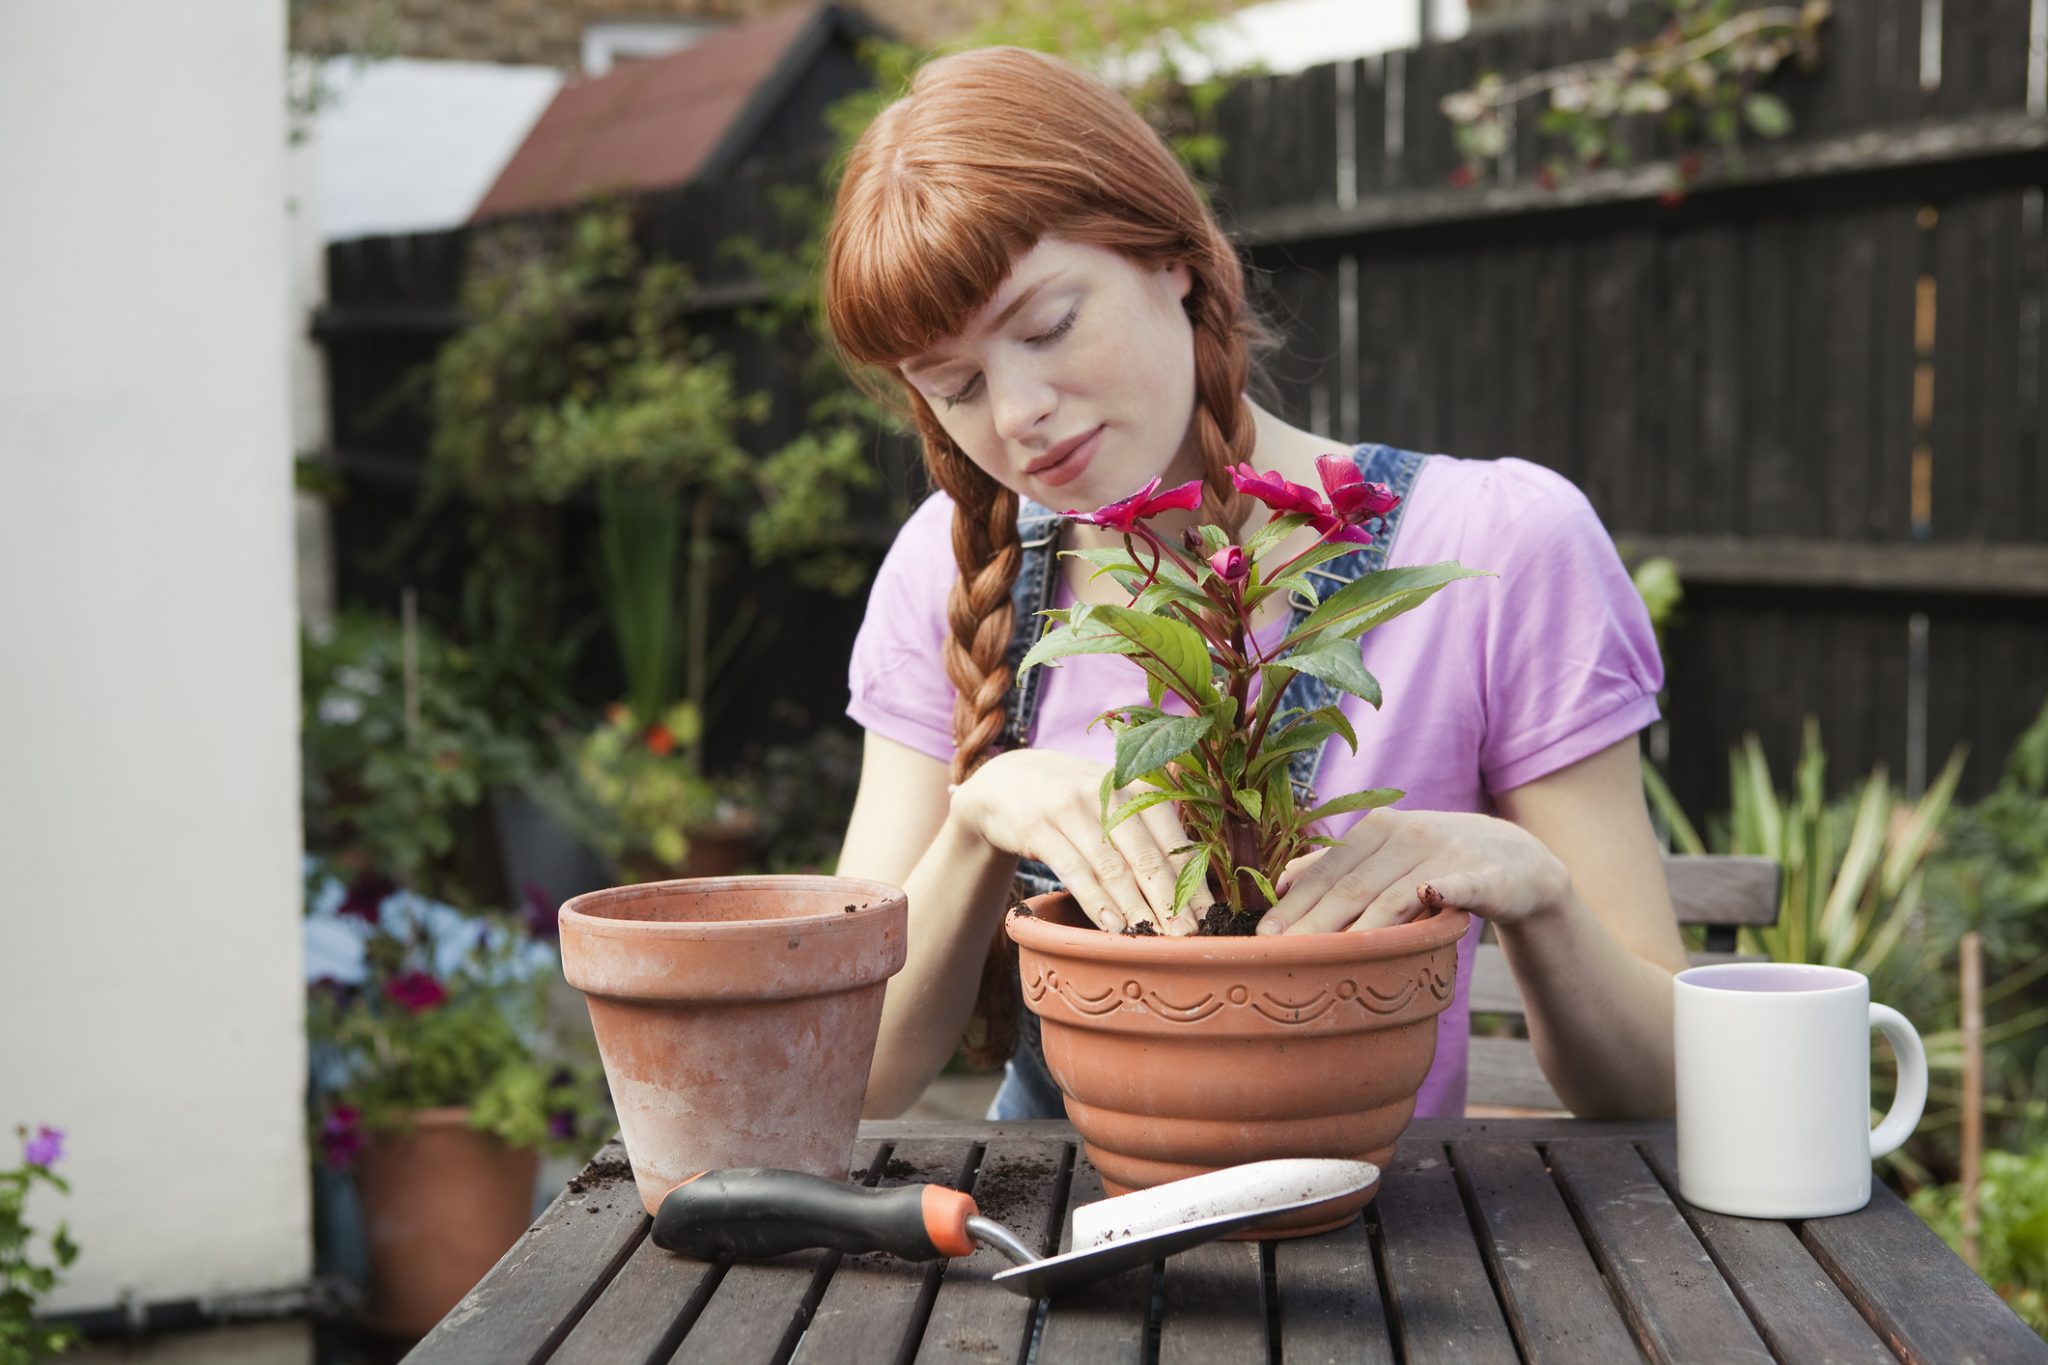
(1143, 928)
(599, 1173)
(1219, 920)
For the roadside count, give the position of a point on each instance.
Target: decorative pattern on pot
(1434, 979)
(1182, 1055)
(736, 1016)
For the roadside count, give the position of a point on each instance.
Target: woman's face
(1076, 383)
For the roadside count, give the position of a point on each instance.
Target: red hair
(989, 152)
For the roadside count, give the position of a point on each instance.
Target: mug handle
(1911, 1099)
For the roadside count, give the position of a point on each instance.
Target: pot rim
(1433, 930)
(880, 899)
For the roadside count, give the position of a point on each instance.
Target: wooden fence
(1816, 385)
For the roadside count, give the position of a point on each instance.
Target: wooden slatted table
(1491, 1240)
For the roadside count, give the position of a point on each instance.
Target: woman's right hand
(1037, 803)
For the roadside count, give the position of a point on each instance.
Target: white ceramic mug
(1773, 1069)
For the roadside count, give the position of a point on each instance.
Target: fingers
(1077, 874)
(1325, 890)
(1164, 831)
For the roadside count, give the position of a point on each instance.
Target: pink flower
(45, 1148)
(1352, 498)
(1230, 564)
(341, 1136)
(415, 990)
(1285, 497)
(1277, 493)
(1126, 513)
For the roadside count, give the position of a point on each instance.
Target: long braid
(982, 618)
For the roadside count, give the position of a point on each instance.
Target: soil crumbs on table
(599, 1173)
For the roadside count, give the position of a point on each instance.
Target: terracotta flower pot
(736, 1016)
(440, 1206)
(1180, 1055)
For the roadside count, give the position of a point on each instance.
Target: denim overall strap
(1038, 531)
(1380, 464)
(1038, 528)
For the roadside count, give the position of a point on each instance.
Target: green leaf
(1076, 638)
(1193, 877)
(1250, 800)
(1144, 748)
(1366, 800)
(1163, 594)
(1293, 583)
(1339, 663)
(1273, 532)
(1381, 596)
(1339, 723)
(1107, 790)
(1259, 880)
(1213, 538)
(1172, 651)
(1277, 748)
(1142, 802)
(1767, 114)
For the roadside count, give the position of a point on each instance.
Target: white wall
(150, 997)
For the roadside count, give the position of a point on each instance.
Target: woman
(1042, 287)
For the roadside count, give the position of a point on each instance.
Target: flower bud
(1230, 564)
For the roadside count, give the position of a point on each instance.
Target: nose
(1020, 401)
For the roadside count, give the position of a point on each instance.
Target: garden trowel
(754, 1212)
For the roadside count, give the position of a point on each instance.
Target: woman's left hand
(1394, 862)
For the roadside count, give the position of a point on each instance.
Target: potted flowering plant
(645, 804)
(1177, 1055)
(432, 1082)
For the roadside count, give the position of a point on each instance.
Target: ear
(1180, 277)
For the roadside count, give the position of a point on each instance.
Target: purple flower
(45, 1148)
(562, 1125)
(1230, 564)
(1126, 513)
(366, 896)
(415, 990)
(538, 912)
(341, 1137)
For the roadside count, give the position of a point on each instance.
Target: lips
(1067, 461)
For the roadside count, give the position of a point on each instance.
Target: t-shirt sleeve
(897, 677)
(1571, 661)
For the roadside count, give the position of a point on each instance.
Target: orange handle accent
(684, 1181)
(945, 1219)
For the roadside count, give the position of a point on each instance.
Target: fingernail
(1271, 926)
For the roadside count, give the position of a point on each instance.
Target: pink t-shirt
(1492, 683)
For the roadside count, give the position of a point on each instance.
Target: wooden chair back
(1721, 892)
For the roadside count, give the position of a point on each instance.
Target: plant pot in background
(1182, 1055)
(440, 1206)
(736, 1016)
(539, 850)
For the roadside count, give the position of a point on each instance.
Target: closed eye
(1045, 338)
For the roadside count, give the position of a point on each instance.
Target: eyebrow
(1015, 305)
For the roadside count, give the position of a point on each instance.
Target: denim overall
(1028, 1091)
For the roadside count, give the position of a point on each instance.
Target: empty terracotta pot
(440, 1205)
(736, 1016)
(1182, 1055)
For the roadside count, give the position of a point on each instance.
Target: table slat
(876, 1304)
(1443, 1302)
(1557, 1305)
(520, 1310)
(1329, 1300)
(1673, 1294)
(1018, 1184)
(1102, 1323)
(1214, 1305)
(1918, 1294)
(1798, 1309)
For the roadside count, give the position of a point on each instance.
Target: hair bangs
(914, 263)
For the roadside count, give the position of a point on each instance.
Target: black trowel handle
(752, 1212)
